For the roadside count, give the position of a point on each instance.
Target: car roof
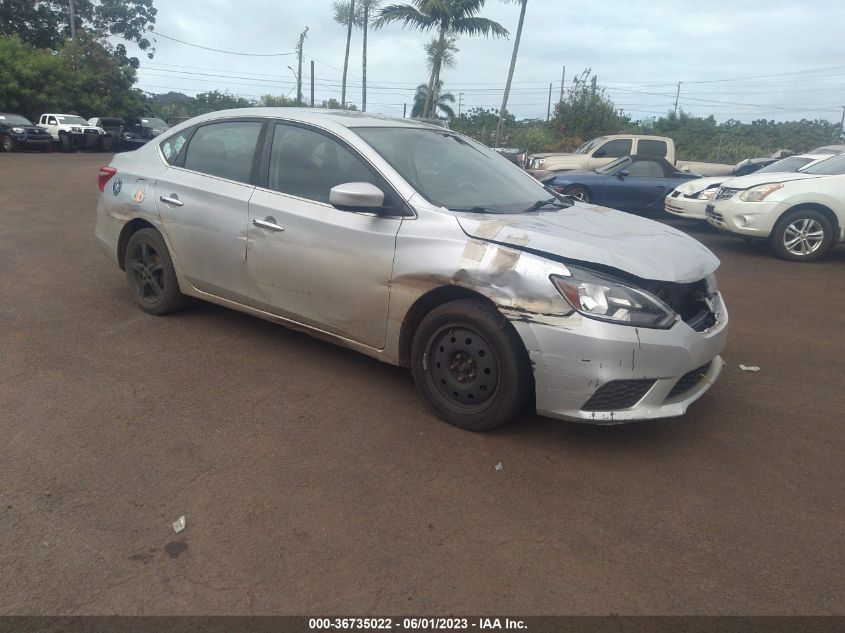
(329, 118)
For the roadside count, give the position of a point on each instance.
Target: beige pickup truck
(605, 149)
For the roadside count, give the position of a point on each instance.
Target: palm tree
(365, 24)
(450, 18)
(523, 4)
(361, 19)
(344, 13)
(439, 101)
(446, 54)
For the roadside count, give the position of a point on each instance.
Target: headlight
(758, 194)
(602, 297)
(707, 194)
(17, 130)
(540, 162)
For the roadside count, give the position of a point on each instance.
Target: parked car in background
(18, 132)
(750, 165)
(630, 183)
(828, 149)
(513, 154)
(71, 132)
(605, 149)
(690, 199)
(801, 214)
(144, 128)
(422, 248)
(113, 126)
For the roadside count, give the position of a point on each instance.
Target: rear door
(324, 267)
(202, 199)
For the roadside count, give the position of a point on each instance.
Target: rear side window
(171, 146)
(651, 148)
(224, 149)
(308, 164)
(646, 168)
(614, 149)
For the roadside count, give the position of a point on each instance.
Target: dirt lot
(314, 480)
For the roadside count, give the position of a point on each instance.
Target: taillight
(105, 175)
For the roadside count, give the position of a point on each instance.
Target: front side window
(452, 171)
(646, 169)
(308, 164)
(225, 149)
(649, 147)
(614, 149)
(52, 121)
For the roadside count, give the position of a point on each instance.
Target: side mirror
(599, 153)
(623, 173)
(356, 196)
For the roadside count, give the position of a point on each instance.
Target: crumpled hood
(752, 180)
(700, 184)
(593, 234)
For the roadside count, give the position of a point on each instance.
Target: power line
(217, 50)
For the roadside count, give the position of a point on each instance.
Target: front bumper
(682, 206)
(27, 141)
(753, 219)
(571, 364)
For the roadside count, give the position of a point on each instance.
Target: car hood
(691, 187)
(752, 180)
(597, 235)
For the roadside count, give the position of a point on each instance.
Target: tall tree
(368, 5)
(46, 23)
(362, 16)
(449, 18)
(344, 13)
(523, 4)
(441, 102)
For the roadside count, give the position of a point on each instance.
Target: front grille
(725, 193)
(91, 131)
(688, 381)
(714, 217)
(618, 394)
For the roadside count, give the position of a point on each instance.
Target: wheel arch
(821, 208)
(580, 185)
(425, 304)
(129, 229)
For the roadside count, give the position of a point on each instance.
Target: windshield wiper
(544, 203)
(475, 209)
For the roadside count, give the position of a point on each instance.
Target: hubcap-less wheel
(8, 146)
(147, 272)
(578, 194)
(463, 368)
(803, 236)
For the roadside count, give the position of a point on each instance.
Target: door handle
(172, 199)
(268, 223)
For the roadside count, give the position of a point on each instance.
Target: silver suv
(420, 247)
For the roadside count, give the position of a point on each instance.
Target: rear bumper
(572, 364)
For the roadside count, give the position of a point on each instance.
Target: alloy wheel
(147, 272)
(803, 236)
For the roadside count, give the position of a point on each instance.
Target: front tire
(802, 235)
(579, 193)
(151, 275)
(7, 144)
(470, 365)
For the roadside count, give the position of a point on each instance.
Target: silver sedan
(422, 248)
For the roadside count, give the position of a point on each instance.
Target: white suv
(71, 131)
(801, 214)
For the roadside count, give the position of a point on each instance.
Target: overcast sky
(639, 49)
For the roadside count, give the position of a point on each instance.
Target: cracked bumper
(571, 361)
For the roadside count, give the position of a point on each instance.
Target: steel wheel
(462, 368)
(147, 272)
(579, 193)
(803, 236)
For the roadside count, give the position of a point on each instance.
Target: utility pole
(842, 123)
(404, 110)
(71, 6)
(302, 37)
(562, 78)
(312, 83)
(549, 109)
(593, 94)
(460, 102)
(366, 26)
(677, 96)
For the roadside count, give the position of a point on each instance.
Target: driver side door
(307, 261)
(645, 184)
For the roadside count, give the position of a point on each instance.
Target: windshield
(14, 119)
(793, 163)
(154, 123)
(833, 166)
(589, 145)
(71, 119)
(455, 172)
(613, 166)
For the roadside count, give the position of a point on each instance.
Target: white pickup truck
(605, 149)
(73, 132)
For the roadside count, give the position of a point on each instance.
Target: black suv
(17, 131)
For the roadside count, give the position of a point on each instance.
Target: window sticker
(167, 151)
(178, 143)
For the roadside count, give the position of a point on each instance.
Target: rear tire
(47, 148)
(579, 193)
(802, 235)
(470, 365)
(151, 275)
